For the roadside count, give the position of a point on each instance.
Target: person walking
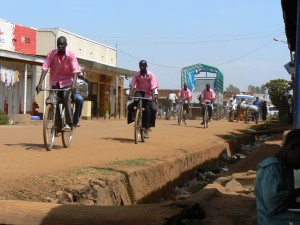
(257, 103)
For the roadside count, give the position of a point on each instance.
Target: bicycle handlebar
(55, 89)
(141, 98)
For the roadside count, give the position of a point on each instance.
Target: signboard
(16, 38)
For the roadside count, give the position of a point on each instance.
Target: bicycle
(182, 116)
(205, 115)
(247, 117)
(139, 131)
(54, 120)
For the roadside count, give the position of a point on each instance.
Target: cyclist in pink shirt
(184, 95)
(207, 97)
(144, 82)
(64, 70)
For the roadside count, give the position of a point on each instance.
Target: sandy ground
(101, 142)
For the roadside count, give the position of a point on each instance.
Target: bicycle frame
(205, 115)
(54, 119)
(138, 126)
(182, 115)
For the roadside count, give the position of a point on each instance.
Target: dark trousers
(149, 114)
(209, 110)
(66, 97)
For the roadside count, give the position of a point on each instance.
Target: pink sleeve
(133, 81)
(213, 94)
(154, 83)
(190, 94)
(48, 60)
(75, 64)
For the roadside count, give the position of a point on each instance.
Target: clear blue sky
(236, 36)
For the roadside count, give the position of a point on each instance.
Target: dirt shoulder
(30, 173)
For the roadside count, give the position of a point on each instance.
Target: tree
(278, 91)
(232, 88)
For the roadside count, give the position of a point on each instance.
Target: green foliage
(256, 89)
(232, 88)
(3, 118)
(278, 91)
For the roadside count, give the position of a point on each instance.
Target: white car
(272, 111)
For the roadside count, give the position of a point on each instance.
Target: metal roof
(188, 75)
(289, 10)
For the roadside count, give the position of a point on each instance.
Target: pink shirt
(207, 95)
(144, 83)
(61, 70)
(184, 94)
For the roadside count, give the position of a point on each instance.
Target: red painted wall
(24, 40)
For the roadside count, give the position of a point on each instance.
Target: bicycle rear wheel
(49, 127)
(66, 134)
(67, 137)
(137, 126)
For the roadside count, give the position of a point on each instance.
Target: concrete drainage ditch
(162, 181)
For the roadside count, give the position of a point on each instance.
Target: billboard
(17, 38)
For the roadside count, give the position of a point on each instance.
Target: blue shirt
(257, 103)
(273, 182)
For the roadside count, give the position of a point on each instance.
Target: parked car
(272, 111)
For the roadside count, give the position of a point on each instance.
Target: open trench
(153, 184)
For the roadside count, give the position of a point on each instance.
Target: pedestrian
(64, 70)
(264, 110)
(290, 115)
(275, 186)
(257, 103)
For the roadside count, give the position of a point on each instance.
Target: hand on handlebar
(38, 88)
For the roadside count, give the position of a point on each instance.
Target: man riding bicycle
(145, 84)
(185, 95)
(64, 70)
(207, 97)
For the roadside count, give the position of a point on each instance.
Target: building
(22, 52)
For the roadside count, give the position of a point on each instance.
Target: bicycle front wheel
(137, 126)
(66, 134)
(49, 127)
(206, 118)
(179, 119)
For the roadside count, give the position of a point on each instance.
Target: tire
(142, 134)
(205, 118)
(66, 135)
(246, 118)
(49, 127)
(179, 117)
(185, 118)
(137, 126)
(168, 114)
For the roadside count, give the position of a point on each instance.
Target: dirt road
(99, 142)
